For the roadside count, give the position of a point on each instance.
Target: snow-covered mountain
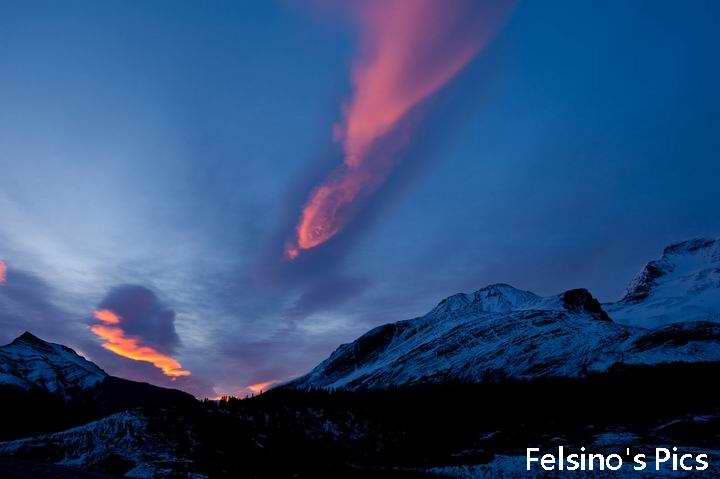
(503, 331)
(683, 285)
(46, 387)
(29, 362)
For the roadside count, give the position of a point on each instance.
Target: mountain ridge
(502, 330)
(29, 361)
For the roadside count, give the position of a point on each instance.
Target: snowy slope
(124, 438)
(683, 285)
(503, 331)
(30, 362)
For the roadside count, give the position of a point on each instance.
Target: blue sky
(169, 146)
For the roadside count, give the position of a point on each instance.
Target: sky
(214, 195)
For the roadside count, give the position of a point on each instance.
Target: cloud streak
(3, 272)
(258, 388)
(115, 340)
(409, 49)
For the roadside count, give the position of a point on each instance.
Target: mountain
(29, 362)
(500, 331)
(47, 387)
(683, 285)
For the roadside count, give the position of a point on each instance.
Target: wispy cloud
(258, 388)
(408, 51)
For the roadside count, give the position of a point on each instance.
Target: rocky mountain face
(683, 285)
(501, 331)
(29, 362)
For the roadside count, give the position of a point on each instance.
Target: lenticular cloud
(409, 49)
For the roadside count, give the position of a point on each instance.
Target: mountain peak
(581, 301)
(29, 340)
(31, 362)
(453, 303)
(497, 297)
(681, 258)
(499, 287)
(28, 337)
(694, 246)
(682, 285)
(501, 298)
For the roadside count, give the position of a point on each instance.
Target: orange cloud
(3, 272)
(106, 316)
(409, 50)
(130, 347)
(260, 387)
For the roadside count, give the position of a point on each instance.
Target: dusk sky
(215, 195)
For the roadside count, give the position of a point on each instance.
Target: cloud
(408, 51)
(134, 324)
(326, 293)
(239, 362)
(116, 340)
(258, 388)
(143, 315)
(3, 272)
(29, 303)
